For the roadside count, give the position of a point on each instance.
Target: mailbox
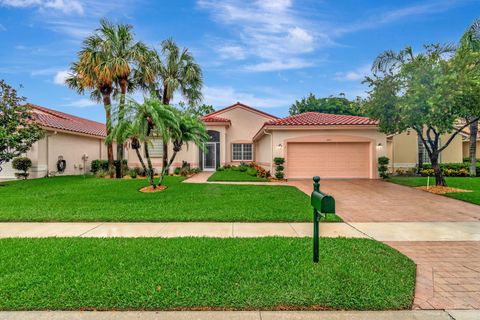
(322, 205)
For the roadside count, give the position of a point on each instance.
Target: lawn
(76, 198)
(202, 273)
(234, 175)
(455, 182)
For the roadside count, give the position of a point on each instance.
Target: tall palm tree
(390, 62)
(86, 74)
(471, 41)
(177, 71)
(129, 62)
(140, 122)
(190, 130)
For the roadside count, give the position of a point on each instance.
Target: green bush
(234, 168)
(278, 161)
(98, 165)
(176, 171)
(243, 168)
(139, 171)
(101, 173)
(132, 173)
(220, 169)
(383, 167)
(196, 170)
(22, 164)
(252, 172)
(280, 167)
(450, 169)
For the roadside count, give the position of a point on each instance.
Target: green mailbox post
(322, 205)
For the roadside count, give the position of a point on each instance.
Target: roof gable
(242, 106)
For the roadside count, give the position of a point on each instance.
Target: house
(332, 146)
(402, 150)
(73, 139)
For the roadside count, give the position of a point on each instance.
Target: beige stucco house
(332, 146)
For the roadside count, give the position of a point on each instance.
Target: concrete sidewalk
(244, 315)
(388, 231)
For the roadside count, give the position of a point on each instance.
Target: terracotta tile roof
(209, 118)
(321, 119)
(239, 104)
(63, 121)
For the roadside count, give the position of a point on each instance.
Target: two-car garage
(328, 160)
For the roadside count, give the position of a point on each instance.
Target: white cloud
(225, 96)
(275, 34)
(234, 52)
(64, 6)
(60, 77)
(354, 75)
(82, 103)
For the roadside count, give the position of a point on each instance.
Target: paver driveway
(380, 201)
(448, 273)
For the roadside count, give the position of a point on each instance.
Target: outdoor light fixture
(279, 146)
(379, 146)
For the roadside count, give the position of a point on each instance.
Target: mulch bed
(150, 189)
(441, 189)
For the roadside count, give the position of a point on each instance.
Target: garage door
(328, 160)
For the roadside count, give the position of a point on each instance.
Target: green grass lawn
(76, 198)
(234, 175)
(187, 273)
(454, 182)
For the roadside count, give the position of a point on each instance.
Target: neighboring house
(466, 143)
(73, 139)
(402, 150)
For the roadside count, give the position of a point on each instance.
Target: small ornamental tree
(279, 167)
(22, 164)
(18, 131)
(383, 167)
(424, 94)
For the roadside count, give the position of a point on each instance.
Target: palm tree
(190, 130)
(177, 71)
(86, 74)
(471, 41)
(128, 62)
(390, 62)
(140, 122)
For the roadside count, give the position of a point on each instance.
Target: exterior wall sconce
(279, 146)
(379, 146)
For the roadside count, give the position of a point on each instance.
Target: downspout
(271, 150)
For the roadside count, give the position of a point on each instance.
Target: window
(242, 151)
(426, 158)
(155, 148)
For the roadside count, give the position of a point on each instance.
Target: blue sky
(265, 53)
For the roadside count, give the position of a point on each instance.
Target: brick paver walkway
(448, 273)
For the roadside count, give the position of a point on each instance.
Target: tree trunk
(121, 111)
(165, 101)
(107, 103)
(150, 167)
(439, 179)
(165, 171)
(420, 149)
(137, 151)
(473, 148)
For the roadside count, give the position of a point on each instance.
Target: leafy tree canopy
(333, 105)
(18, 131)
(197, 111)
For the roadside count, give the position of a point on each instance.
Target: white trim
(242, 144)
(214, 144)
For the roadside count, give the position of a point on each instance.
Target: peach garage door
(328, 160)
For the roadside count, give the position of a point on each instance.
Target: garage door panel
(328, 160)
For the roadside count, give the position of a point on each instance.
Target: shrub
(220, 169)
(101, 173)
(235, 168)
(450, 169)
(139, 171)
(279, 175)
(242, 168)
(22, 164)
(185, 170)
(278, 161)
(252, 172)
(132, 173)
(261, 172)
(98, 165)
(383, 167)
(176, 171)
(280, 167)
(196, 170)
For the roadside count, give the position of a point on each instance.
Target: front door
(209, 157)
